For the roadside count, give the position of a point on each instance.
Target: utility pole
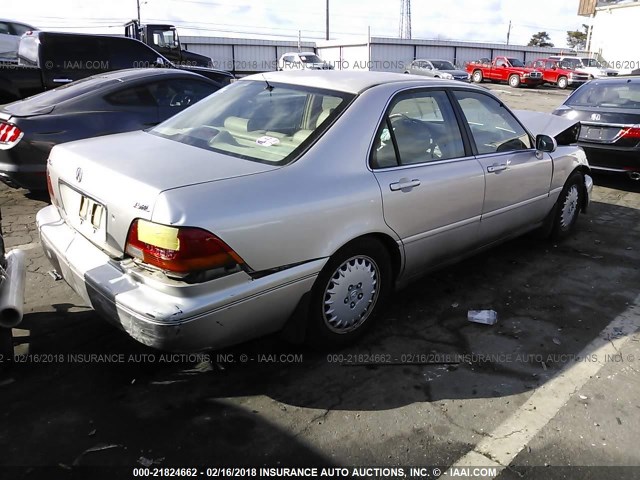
(509, 32)
(405, 19)
(327, 19)
(138, 2)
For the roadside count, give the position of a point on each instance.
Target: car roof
(621, 79)
(350, 81)
(135, 73)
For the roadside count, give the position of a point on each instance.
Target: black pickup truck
(47, 60)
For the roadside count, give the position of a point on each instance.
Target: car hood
(545, 123)
(455, 73)
(127, 172)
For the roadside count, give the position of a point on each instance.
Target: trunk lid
(102, 184)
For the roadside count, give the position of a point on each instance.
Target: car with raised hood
(112, 102)
(437, 69)
(609, 112)
(296, 201)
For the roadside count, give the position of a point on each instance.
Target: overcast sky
(468, 20)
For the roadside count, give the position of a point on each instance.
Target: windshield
(515, 62)
(571, 63)
(601, 94)
(591, 62)
(443, 65)
(310, 59)
(255, 120)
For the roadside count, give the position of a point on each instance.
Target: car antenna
(269, 86)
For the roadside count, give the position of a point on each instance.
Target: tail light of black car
(180, 250)
(10, 135)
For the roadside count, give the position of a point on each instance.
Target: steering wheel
(180, 100)
(421, 129)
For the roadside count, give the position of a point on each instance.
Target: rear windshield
(607, 94)
(66, 92)
(255, 120)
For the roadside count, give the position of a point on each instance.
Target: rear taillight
(630, 132)
(52, 195)
(10, 135)
(179, 249)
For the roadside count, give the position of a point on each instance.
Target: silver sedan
(298, 201)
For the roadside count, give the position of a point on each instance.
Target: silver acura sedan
(297, 201)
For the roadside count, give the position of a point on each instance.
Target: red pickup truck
(505, 69)
(554, 71)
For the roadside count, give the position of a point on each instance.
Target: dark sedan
(609, 112)
(114, 102)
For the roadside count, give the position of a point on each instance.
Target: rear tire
(477, 76)
(514, 81)
(568, 207)
(347, 293)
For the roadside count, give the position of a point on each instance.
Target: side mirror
(545, 143)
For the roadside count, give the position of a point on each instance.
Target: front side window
(420, 127)
(493, 127)
(256, 120)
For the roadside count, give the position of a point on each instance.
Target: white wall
(615, 36)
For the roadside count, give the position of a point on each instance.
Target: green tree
(578, 39)
(540, 39)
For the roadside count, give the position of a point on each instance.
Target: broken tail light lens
(10, 135)
(181, 250)
(631, 132)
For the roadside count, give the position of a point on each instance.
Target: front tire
(568, 207)
(563, 83)
(347, 293)
(477, 76)
(514, 81)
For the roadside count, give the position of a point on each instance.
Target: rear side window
(131, 97)
(180, 93)
(420, 127)
(20, 29)
(494, 128)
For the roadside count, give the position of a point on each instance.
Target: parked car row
(562, 72)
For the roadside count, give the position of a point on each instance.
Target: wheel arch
(390, 245)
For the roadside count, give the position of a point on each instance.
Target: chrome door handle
(62, 80)
(497, 167)
(404, 184)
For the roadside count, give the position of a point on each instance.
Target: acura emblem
(78, 174)
(595, 117)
